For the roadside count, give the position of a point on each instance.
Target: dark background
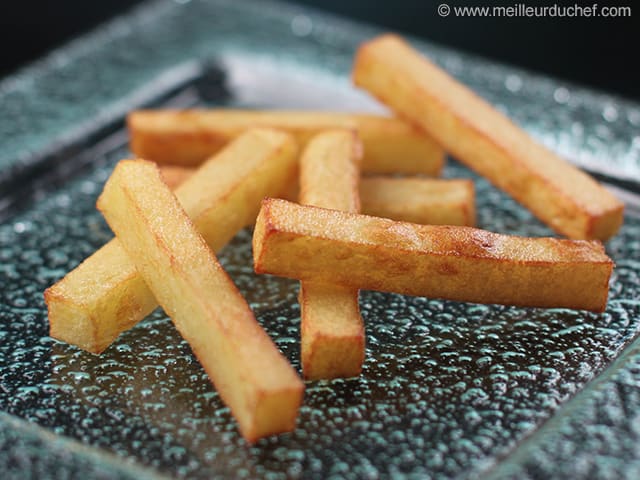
(599, 52)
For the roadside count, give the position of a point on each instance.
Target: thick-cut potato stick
(331, 331)
(331, 328)
(105, 295)
(559, 194)
(419, 200)
(330, 171)
(188, 137)
(430, 201)
(450, 262)
(251, 375)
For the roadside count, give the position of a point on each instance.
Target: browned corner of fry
(48, 294)
(606, 225)
(363, 50)
(60, 312)
(330, 357)
(50, 297)
(262, 229)
(100, 202)
(287, 399)
(359, 59)
(388, 36)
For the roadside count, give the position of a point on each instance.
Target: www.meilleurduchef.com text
(530, 11)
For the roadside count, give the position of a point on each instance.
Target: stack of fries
(352, 227)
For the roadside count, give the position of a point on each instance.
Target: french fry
(251, 375)
(174, 175)
(449, 262)
(330, 171)
(332, 331)
(429, 201)
(105, 295)
(559, 194)
(188, 137)
(419, 200)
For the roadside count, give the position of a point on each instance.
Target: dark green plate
(448, 389)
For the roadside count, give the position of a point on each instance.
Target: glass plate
(448, 389)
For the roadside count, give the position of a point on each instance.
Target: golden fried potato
(419, 200)
(559, 194)
(332, 331)
(105, 295)
(449, 262)
(330, 171)
(188, 137)
(251, 375)
(430, 201)
(174, 175)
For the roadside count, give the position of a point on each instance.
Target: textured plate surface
(448, 389)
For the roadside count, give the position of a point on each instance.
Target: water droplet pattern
(445, 385)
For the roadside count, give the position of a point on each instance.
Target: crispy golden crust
(430, 201)
(105, 295)
(188, 137)
(330, 171)
(250, 374)
(450, 262)
(332, 331)
(419, 200)
(565, 198)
